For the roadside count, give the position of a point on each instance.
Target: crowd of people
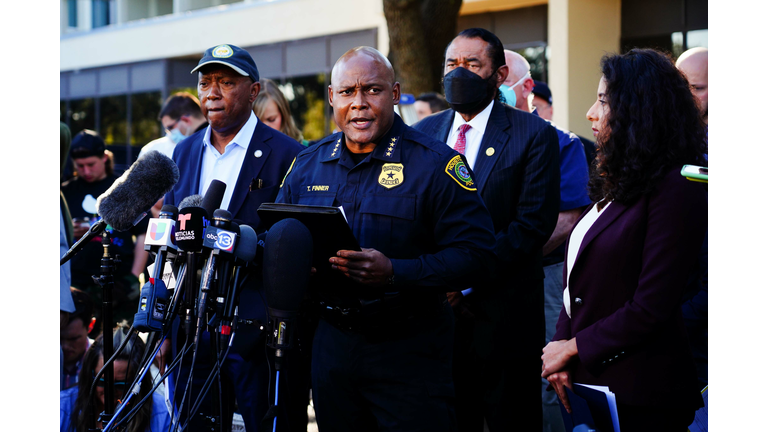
(502, 258)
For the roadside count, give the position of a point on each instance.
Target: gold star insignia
(389, 154)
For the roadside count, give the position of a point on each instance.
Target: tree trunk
(419, 31)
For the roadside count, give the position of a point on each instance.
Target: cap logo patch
(458, 171)
(222, 51)
(391, 175)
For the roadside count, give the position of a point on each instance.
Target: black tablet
(330, 230)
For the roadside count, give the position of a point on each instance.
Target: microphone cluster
(198, 235)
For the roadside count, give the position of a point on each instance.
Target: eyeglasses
(170, 128)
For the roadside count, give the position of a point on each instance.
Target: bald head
(519, 77)
(372, 54)
(694, 65)
(363, 93)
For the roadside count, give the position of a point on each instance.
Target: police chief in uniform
(381, 355)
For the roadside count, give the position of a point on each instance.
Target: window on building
(113, 120)
(101, 12)
(72, 13)
(145, 107)
(81, 115)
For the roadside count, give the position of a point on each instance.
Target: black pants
(396, 383)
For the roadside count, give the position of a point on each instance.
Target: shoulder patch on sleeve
(288, 172)
(458, 171)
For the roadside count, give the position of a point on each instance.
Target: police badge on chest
(391, 175)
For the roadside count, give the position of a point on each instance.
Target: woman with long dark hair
(80, 414)
(630, 254)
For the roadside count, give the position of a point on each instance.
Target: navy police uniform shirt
(413, 199)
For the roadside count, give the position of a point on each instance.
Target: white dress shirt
(163, 144)
(225, 166)
(474, 135)
(577, 236)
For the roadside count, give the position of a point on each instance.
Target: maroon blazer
(626, 289)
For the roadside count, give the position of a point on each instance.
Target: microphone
(161, 236)
(137, 190)
(287, 266)
(244, 254)
(154, 296)
(190, 227)
(224, 271)
(220, 239)
(195, 200)
(213, 196)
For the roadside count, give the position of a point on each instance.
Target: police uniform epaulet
(332, 138)
(427, 141)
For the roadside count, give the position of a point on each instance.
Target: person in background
(66, 304)
(79, 412)
(429, 103)
(95, 174)
(630, 254)
(542, 102)
(574, 175)
(515, 158)
(273, 109)
(74, 336)
(181, 117)
(694, 65)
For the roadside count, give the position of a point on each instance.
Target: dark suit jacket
(629, 277)
(517, 172)
(277, 153)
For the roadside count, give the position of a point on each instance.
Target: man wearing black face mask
(515, 159)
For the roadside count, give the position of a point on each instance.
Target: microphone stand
(106, 281)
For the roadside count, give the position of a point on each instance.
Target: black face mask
(467, 91)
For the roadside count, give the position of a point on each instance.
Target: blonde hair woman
(273, 109)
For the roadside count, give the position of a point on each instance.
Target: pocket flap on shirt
(399, 206)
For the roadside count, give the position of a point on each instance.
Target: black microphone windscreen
(213, 196)
(189, 229)
(138, 189)
(287, 264)
(246, 248)
(195, 200)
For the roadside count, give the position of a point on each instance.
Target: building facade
(119, 59)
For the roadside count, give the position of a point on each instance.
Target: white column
(84, 15)
(580, 32)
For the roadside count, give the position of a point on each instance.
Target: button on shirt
(474, 135)
(225, 166)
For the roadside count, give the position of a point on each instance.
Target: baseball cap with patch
(85, 144)
(232, 56)
(541, 89)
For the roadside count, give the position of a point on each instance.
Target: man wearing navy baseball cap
(542, 99)
(252, 160)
